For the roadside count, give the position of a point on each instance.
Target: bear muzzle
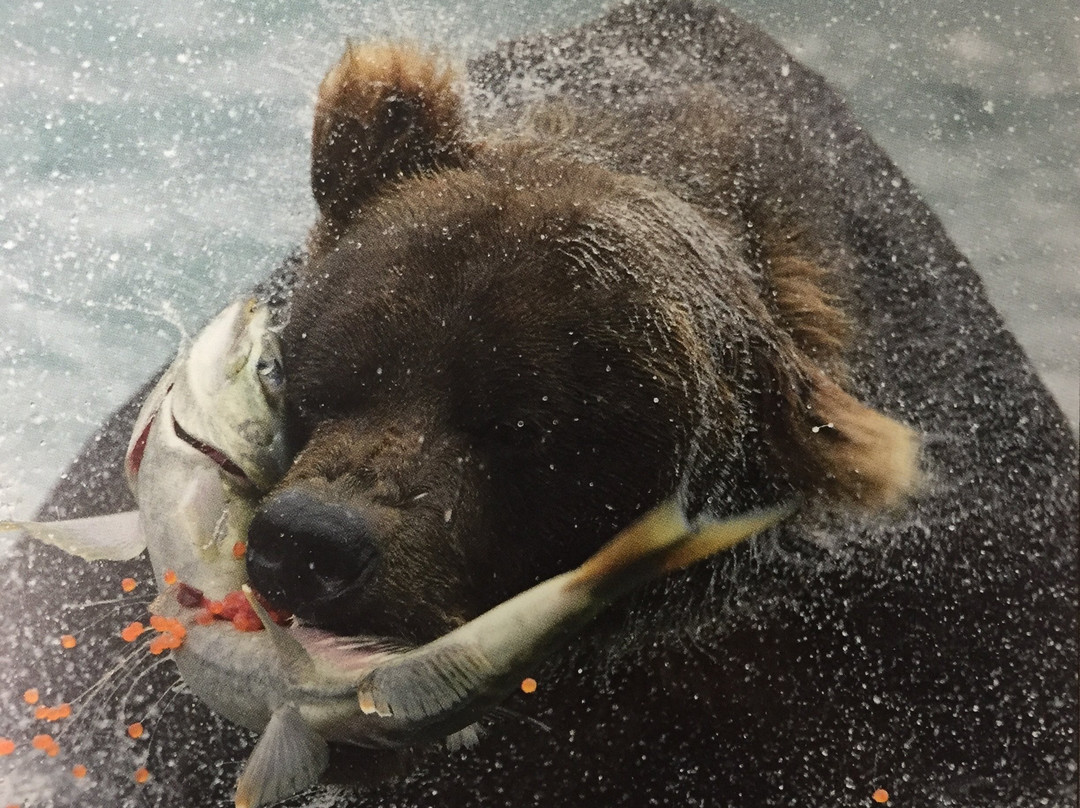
(315, 558)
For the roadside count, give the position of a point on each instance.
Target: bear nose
(317, 559)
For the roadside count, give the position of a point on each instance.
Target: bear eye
(271, 375)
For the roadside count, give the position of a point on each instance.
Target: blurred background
(153, 163)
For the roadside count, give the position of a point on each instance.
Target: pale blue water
(153, 162)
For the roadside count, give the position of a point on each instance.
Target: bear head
(499, 353)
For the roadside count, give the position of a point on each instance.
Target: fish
(208, 442)
(316, 687)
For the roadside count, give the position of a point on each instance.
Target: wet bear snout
(317, 559)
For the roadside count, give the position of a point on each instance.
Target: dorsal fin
(295, 659)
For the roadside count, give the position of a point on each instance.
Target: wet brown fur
(552, 337)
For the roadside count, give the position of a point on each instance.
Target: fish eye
(271, 375)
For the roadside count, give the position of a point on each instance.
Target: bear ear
(383, 112)
(833, 444)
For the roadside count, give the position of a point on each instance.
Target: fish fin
(635, 545)
(201, 512)
(712, 536)
(115, 537)
(465, 738)
(290, 757)
(433, 680)
(297, 661)
(662, 541)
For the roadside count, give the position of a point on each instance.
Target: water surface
(153, 163)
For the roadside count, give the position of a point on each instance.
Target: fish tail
(646, 539)
(663, 541)
(712, 536)
(290, 757)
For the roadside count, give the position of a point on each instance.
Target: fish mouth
(212, 452)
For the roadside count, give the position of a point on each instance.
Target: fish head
(227, 397)
(225, 393)
(208, 441)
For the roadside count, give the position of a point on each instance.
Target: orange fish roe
(135, 730)
(169, 577)
(78, 770)
(881, 795)
(234, 608)
(7, 746)
(128, 584)
(239, 549)
(132, 631)
(46, 744)
(31, 696)
(61, 711)
(141, 776)
(168, 625)
(165, 642)
(247, 621)
(68, 641)
(235, 603)
(528, 685)
(53, 713)
(172, 633)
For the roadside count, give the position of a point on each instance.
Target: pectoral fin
(294, 657)
(115, 537)
(289, 758)
(463, 739)
(430, 682)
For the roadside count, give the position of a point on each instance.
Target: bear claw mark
(383, 112)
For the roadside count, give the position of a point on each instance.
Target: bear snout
(315, 558)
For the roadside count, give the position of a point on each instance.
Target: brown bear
(502, 350)
(655, 256)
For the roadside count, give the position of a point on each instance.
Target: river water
(153, 163)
